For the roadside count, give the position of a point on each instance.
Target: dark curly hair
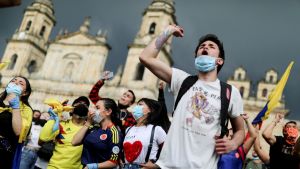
(215, 39)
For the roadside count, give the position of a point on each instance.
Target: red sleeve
(94, 96)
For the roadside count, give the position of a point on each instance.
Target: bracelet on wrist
(92, 166)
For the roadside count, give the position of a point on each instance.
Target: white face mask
(65, 116)
(97, 118)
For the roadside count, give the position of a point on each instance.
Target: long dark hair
(111, 104)
(155, 116)
(23, 98)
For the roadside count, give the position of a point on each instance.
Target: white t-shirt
(138, 138)
(190, 141)
(34, 135)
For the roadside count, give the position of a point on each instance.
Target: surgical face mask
(65, 116)
(137, 112)
(97, 118)
(205, 63)
(13, 88)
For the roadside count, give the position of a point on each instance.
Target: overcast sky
(257, 34)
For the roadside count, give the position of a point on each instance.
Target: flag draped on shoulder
(274, 97)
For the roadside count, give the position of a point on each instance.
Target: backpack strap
(185, 86)
(128, 130)
(225, 99)
(151, 144)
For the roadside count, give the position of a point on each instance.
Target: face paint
(290, 134)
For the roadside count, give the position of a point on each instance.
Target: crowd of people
(105, 134)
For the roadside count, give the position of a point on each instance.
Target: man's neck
(209, 76)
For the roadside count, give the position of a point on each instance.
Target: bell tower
(266, 85)
(156, 17)
(27, 48)
(241, 81)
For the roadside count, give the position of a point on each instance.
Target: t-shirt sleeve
(236, 106)
(115, 145)
(159, 135)
(178, 77)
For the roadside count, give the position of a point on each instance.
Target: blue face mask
(138, 112)
(13, 88)
(205, 63)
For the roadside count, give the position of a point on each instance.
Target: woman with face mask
(143, 141)
(15, 121)
(100, 136)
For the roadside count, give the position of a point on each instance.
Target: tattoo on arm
(161, 39)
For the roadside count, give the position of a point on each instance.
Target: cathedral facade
(69, 65)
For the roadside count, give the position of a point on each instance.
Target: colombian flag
(274, 97)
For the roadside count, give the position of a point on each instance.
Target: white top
(34, 135)
(190, 142)
(137, 140)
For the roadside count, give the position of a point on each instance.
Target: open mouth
(204, 52)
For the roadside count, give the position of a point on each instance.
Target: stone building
(69, 65)
(256, 98)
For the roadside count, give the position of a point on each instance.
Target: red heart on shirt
(132, 151)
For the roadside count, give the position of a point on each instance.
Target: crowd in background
(106, 134)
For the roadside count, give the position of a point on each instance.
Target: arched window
(13, 61)
(32, 66)
(264, 93)
(152, 28)
(42, 32)
(239, 76)
(140, 72)
(271, 79)
(28, 25)
(68, 71)
(242, 89)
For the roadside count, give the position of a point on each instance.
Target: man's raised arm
(149, 55)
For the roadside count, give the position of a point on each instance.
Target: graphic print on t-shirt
(200, 109)
(132, 151)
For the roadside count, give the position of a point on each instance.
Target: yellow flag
(275, 95)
